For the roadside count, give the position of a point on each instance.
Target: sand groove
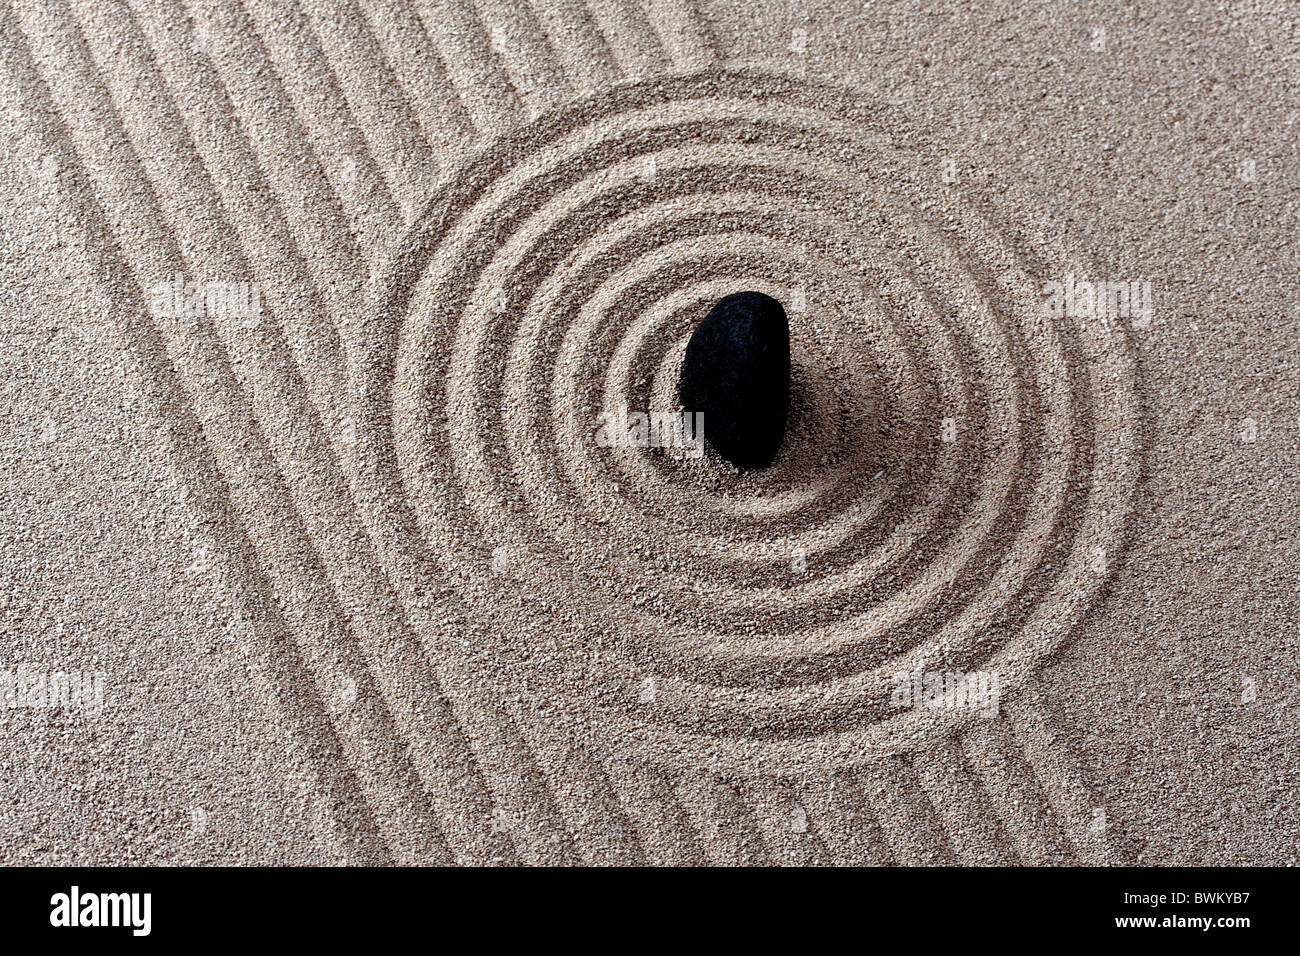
(728, 831)
(212, 179)
(312, 209)
(581, 48)
(516, 35)
(626, 27)
(841, 809)
(303, 588)
(1081, 815)
(649, 797)
(681, 34)
(398, 31)
(348, 814)
(790, 836)
(300, 65)
(909, 823)
(383, 111)
(472, 67)
(969, 819)
(315, 633)
(1009, 783)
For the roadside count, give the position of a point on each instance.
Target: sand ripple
(957, 472)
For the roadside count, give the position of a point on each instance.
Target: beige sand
(332, 567)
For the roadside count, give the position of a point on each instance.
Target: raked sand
(311, 553)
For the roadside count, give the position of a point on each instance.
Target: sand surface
(309, 311)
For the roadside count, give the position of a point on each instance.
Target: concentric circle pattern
(957, 470)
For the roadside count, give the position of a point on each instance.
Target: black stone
(737, 373)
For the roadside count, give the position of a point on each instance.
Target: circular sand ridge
(944, 499)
